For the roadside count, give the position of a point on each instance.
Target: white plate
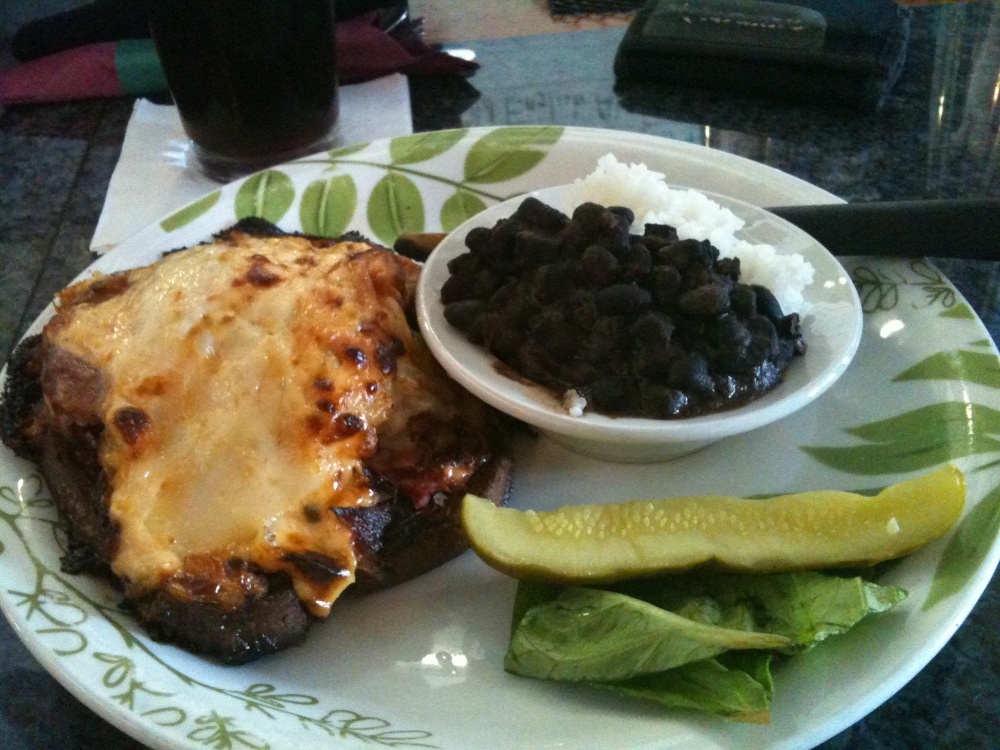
(420, 665)
(831, 326)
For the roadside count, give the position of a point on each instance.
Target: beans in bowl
(638, 325)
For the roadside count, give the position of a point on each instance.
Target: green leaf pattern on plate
(328, 206)
(916, 440)
(190, 212)
(971, 367)
(459, 207)
(396, 207)
(396, 204)
(880, 289)
(267, 195)
(220, 732)
(347, 150)
(961, 312)
(507, 153)
(930, 435)
(61, 611)
(967, 547)
(411, 149)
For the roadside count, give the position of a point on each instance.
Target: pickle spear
(806, 530)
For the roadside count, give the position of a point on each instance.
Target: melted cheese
(254, 378)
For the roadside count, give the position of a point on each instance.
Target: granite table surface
(937, 136)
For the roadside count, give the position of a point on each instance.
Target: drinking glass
(254, 81)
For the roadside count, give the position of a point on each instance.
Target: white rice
(694, 216)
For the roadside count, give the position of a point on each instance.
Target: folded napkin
(130, 67)
(155, 174)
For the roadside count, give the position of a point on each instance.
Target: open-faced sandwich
(245, 428)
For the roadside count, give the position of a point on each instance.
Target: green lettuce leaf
(697, 641)
(737, 688)
(588, 634)
(805, 606)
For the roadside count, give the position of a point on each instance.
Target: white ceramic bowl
(831, 326)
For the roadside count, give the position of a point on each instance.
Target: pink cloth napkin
(131, 68)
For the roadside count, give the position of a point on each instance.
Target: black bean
(686, 253)
(536, 363)
(662, 401)
(554, 333)
(574, 238)
(457, 288)
(463, 314)
(653, 329)
(691, 373)
(475, 330)
(654, 363)
(767, 304)
(761, 349)
(501, 245)
(665, 282)
(786, 350)
(764, 339)
(637, 261)
(581, 309)
(479, 285)
(599, 266)
(484, 282)
(729, 332)
(503, 295)
(732, 359)
(660, 234)
(728, 267)
(609, 394)
(708, 300)
(606, 228)
(503, 341)
(520, 310)
(533, 249)
(760, 325)
(603, 343)
(578, 372)
(766, 377)
(478, 239)
(623, 299)
(726, 386)
(552, 282)
(465, 264)
(743, 300)
(627, 214)
(790, 325)
(538, 214)
(590, 216)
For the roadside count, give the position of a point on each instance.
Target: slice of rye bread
(393, 540)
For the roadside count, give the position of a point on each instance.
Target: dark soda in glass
(254, 80)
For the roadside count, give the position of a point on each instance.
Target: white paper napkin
(154, 176)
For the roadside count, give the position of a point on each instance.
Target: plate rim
(160, 739)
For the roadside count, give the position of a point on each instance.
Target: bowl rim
(524, 400)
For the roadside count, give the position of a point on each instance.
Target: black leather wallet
(825, 51)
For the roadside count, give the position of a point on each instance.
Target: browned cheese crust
(275, 433)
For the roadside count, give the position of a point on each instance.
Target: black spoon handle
(961, 228)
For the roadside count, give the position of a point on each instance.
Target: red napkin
(130, 67)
